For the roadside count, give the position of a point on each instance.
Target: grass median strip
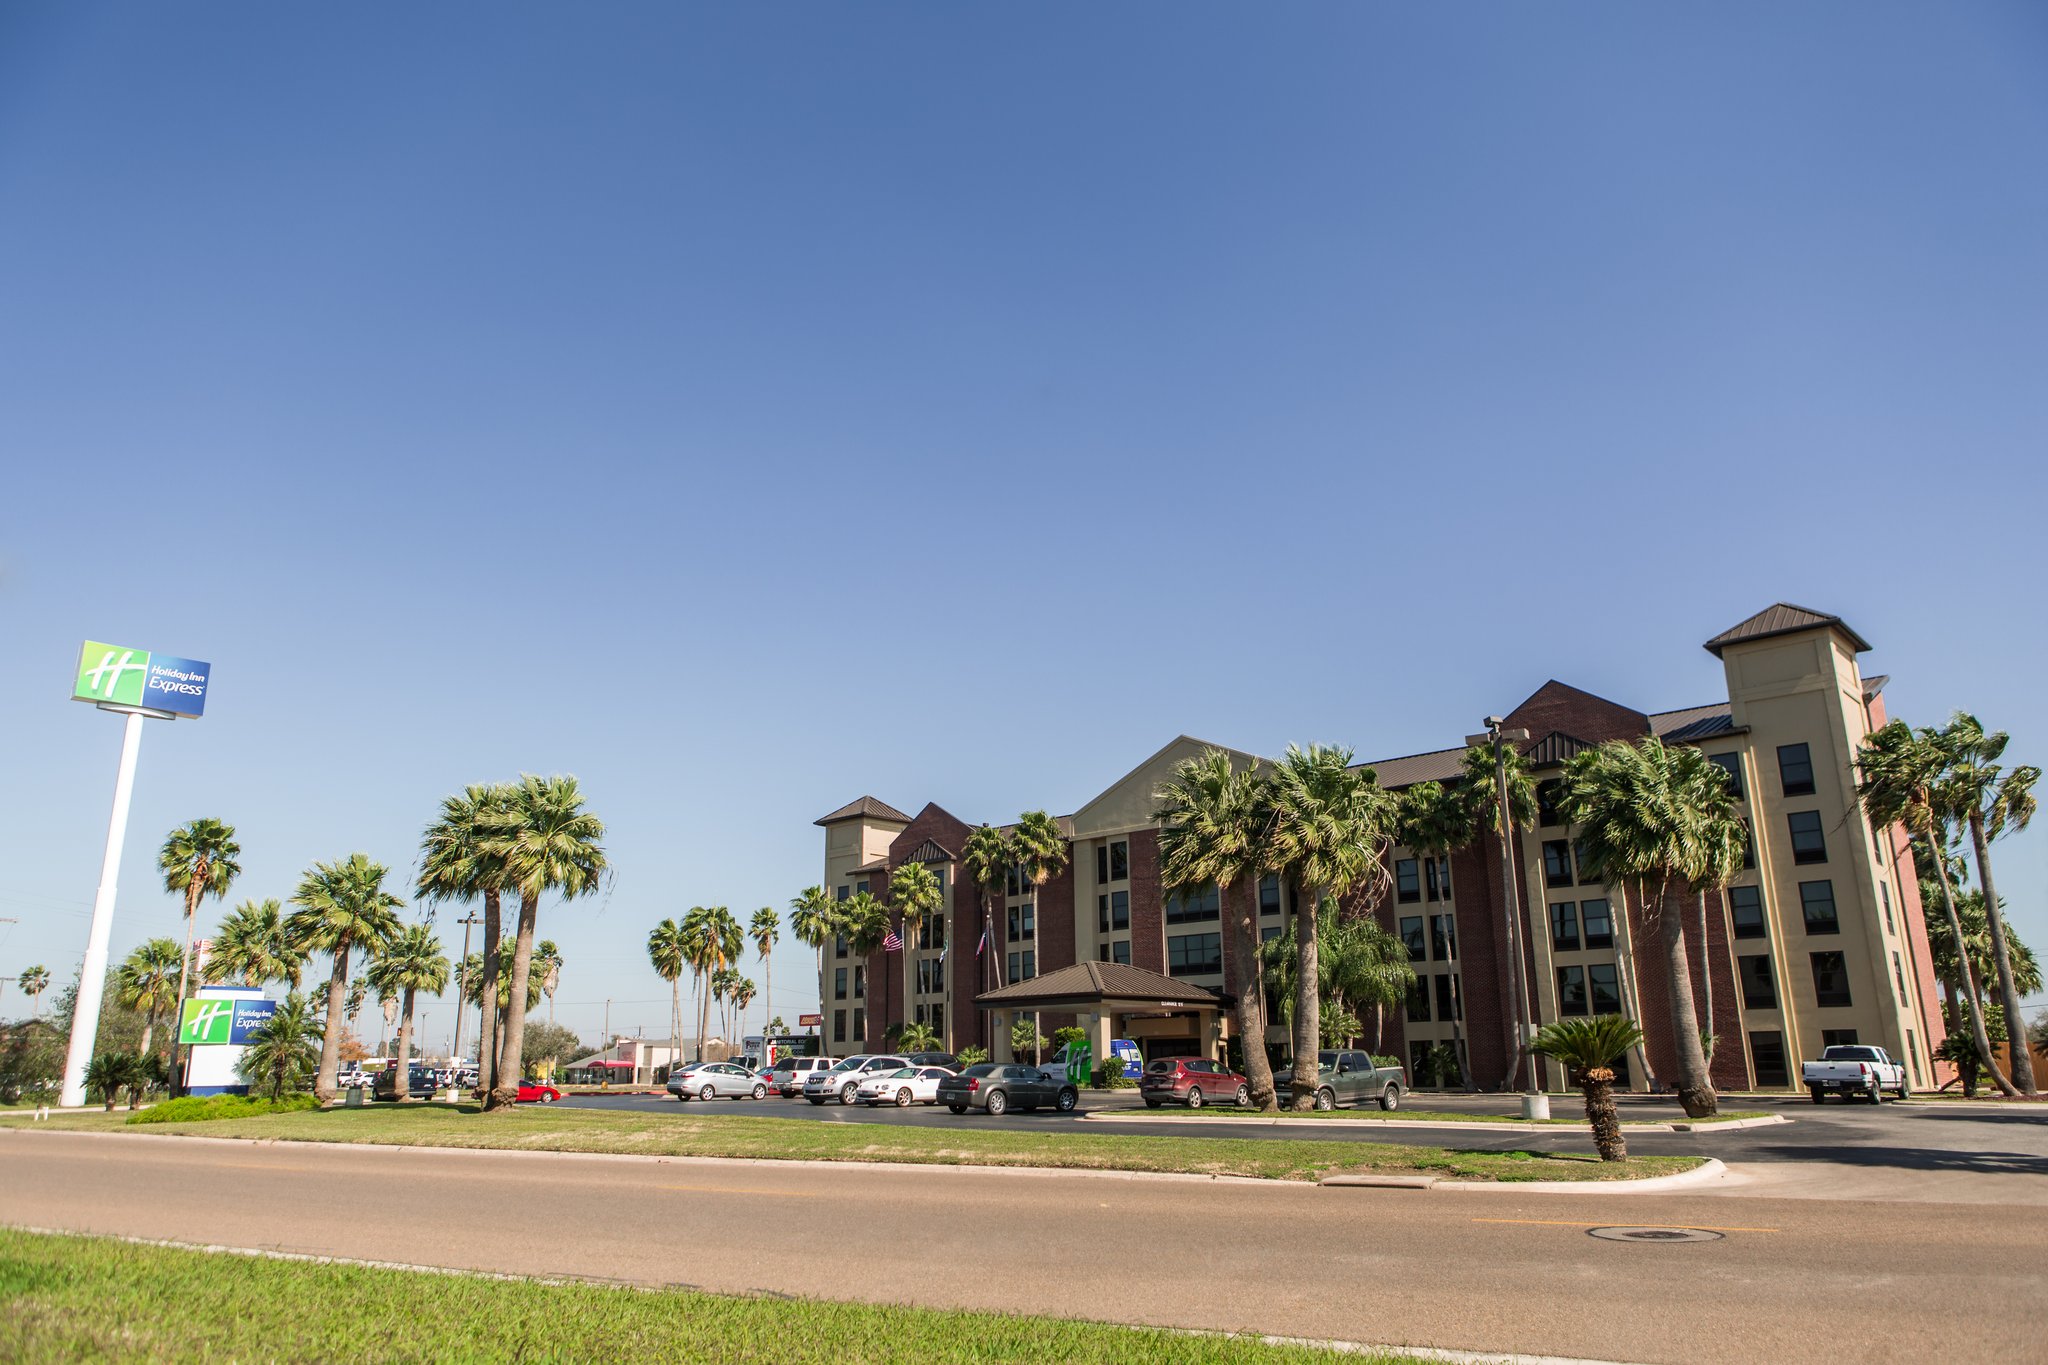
(554, 1128)
(88, 1298)
(1372, 1114)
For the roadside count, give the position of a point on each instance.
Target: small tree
(973, 1054)
(109, 1071)
(1025, 1037)
(917, 1038)
(1587, 1048)
(284, 1050)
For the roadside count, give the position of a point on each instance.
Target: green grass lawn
(1576, 1119)
(969, 1143)
(89, 1298)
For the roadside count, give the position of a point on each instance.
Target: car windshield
(1326, 1059)
(982, 1069)
(908, 1073)
(1845, 1053)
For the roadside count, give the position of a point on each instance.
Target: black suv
(420, 1084)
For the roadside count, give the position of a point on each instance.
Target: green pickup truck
(1349, 1078)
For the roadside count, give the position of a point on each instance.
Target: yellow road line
(729, 1189)
(1563, 1223)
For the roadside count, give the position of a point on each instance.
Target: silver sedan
(713, 1080)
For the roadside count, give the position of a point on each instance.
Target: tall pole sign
(138, 685)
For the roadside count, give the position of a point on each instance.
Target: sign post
(138, 686)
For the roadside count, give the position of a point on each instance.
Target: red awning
(590, 1065)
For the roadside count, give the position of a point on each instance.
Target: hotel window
(1899, 975)
(1113, 861)
(838, 1026)
(1830, 980)
(1748, 846)
(1746, 909)
(1557, 862)
(1884, 894)
(860, 1024)
(1913, 1056)
(1731, 764)
(1119, 951)
(839, 983)
(1809, 845)
(1571, 991)
(841, 893)
(1023, 966)
(862, 885)
(1606, 988)
(860, 983)
(1564, 927)
(1599, 923)
(1443, 937)
(1547, 793)
(1817, 904)
(1017, 884)
(1113, 912)
(1418, 1001)
(839, 945)
(1447, 997)
(1837, 1037)
(1436, 879)
(1587, 872)
(1411, 934)
(1407, 881)
(1194, 907)
(1023, 923)
(1269, 895)
(1194, 954)
(1795, 769)
(1759, 988)
(1767, 1055)
(931, 932)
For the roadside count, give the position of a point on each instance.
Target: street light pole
(456, 1046)
(1535, 1104)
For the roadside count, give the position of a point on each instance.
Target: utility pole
(456, 1046)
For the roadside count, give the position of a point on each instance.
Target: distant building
(628, 1061)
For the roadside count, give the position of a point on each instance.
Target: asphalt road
(1929, 1151)
(1495, 1271)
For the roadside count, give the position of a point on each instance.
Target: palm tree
(1988, 801)
(199, 858)
(742, 992)
(722, 982)
(1360, 963)
(814, 918)
(1041, 852)
(1213, 824)
(865, 922)
(765, 928)
(549, 842)
(286, 1047)
(700, 950)
(412, 962)
(1437, 821)
(1657, 818)
(988, 859)
(251, 945)
(914, 892)
(33, 983)
(1331, 825)
(1902, 768)
(342, 905)
(1587, 1049)
(460, 860)
(918, 1038)
(149, 978)
(1485, 766)
(665, 951)
(109, 1071)
(732, 945)
(547, 969)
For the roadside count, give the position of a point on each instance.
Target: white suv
(786, 1078)
(842, 1081)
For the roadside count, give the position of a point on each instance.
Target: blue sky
(745, 410)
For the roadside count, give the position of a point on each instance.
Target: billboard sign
(213, 1022)
(120, 676)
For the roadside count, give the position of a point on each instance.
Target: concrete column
(1212, 1036)
(999, 1044)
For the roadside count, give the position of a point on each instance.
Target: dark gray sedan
(998, 1087)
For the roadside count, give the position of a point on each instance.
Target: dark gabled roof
(1439, 766)
(930, 851)
(867, 808)
(878, 865)
(1782, 618)
(1554, 749)
(1094, 982)
(1874, 685)
(1706, 727)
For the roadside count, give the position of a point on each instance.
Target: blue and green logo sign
(222, 1021)
(122, 676)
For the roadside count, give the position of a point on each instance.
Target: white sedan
(909, 1085)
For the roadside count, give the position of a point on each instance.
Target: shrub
(972, 1056)
(200, 1108)
(1110, 1075)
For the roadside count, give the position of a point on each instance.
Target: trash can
(354, 1098)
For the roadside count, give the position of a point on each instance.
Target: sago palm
(1587, 1048)
(200, 858)
(412, 962)
(252, 946)
(460, 861)
(918, 1038)
(148, 983)
(341, 906)
(1213, 825)
(1331, 824)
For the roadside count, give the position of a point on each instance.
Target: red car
(537, 1092)
(1192, 1081)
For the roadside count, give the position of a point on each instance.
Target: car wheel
(760, 1092)
(903, 1098)
(847, 1093)
(1819, 1095)
(1876, 1093)
(546, 1097)
(1067, 1100)
(1151, 1104)
(1390, 1098)
(1195, 1100)
(682, 1098)
(1901, 1093)
(819, 1102)
(1326, 1098)
(996, 1102)
(1244, 1097)
(957, 1108)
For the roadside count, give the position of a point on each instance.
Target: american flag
(893, 943)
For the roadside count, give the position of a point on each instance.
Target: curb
(1443, 1125)
(1707, 1173)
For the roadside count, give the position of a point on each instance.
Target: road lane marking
(1576, 1223)
(727, 1189)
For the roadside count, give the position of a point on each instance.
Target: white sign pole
(92, 980)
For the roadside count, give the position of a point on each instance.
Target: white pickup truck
(1852, 1069)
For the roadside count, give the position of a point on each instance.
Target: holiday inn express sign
(222, 1021)
(120, 676)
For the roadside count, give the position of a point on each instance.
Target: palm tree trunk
(193, 890)
(1625, 979)
(1251, 1007)
(505, 1090)
(1598, 1084)
(675, 1021)
(1706, 980)
(1695, 1086)
(1308, 1004)
(402, 1064)
(324, 1088)
(487, 996)
(703, 1015)
(1972, 993)
(148, 1029)
(2001, 957)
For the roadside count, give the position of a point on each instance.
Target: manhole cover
(1655, 1234)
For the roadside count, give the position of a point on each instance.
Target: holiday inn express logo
(117, 675)
(207, 1021)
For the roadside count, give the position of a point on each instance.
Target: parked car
(842, 1081)
(1349, 1078)
(904, 1086)
(713, 1080)
(1192, 1081)
(537, 1092)
(944, 1059)
(1853, 1069)
(786, 1077)
(997, 1087)
(421, 1083)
